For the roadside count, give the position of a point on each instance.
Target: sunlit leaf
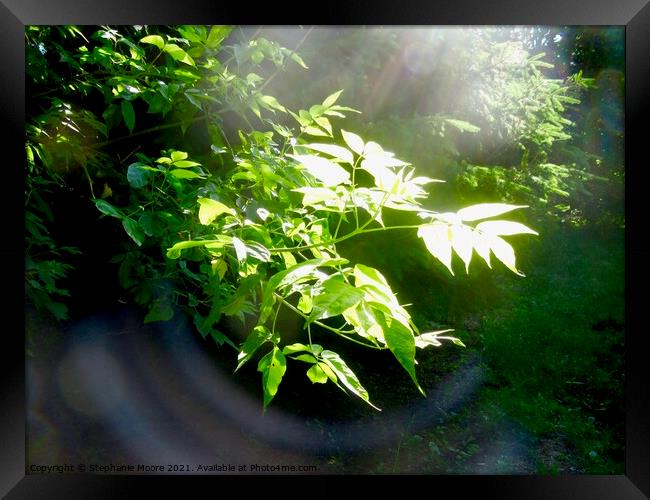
(354, 142)
(174, 252)
(326, 171)
(298, 60)
(210, 209)
(335, 297)
(333, 150)
(178, 54)
(273, 366)
(316, 132)
(219, 267)
(240, 249)
(437, 240)
(462, 241)
(346, 376)
(258, 337)
(482, 247)
(486, 210)
(270, 103)
(185, 174)
(307, 358)
(317, 375)
(362, 318)
(294, 348)
(186, 164)
(401, 343)
(156, 40)
(331, 99)
(504, 252)
(217, 35)
(325, 123)
(178, 156)
(429, 338)
(504, 228)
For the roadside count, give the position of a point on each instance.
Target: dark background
(513, 13)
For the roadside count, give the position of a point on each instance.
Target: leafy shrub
(243, 224)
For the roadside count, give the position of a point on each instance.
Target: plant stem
(360, 230)
(327, 327)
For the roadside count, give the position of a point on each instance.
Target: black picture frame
(633, 14)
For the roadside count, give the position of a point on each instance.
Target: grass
(555, 352)
(552, 352)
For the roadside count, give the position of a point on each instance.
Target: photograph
(322, 249)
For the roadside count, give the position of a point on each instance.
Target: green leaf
(486, 210)
(217, 35)
(331, 99)
(138, 176)
(240, 249)
(178, 54)
(298, 60)
(106, 208)
(211, 209)
(288, 276)
(219, 267)
(134, 230)
(178, 156)
(258, 251)
(319, 196)
(401, 343)
(273, 366)
(437, 239)
(307, 358)
(317, 375)
(504, 252)
(345, 375)
(353, 141)
(174, 252)
(185, 174)
(462, 241)
(504, 228)
(270, 102)
(325, 123)
(429, 338)
(186, 164)
(333, 299)
(305, 303)
(258, 337)
(326, 171)
(154, 40)
(160, 310)
(362, 318)
(316, 110)
(379, 295)
(294, 348)
(128, 114)
(316, 132)
(333, 150)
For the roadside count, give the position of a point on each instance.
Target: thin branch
(270, 78)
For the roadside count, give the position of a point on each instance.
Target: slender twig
(270, 78)
(327, 327)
